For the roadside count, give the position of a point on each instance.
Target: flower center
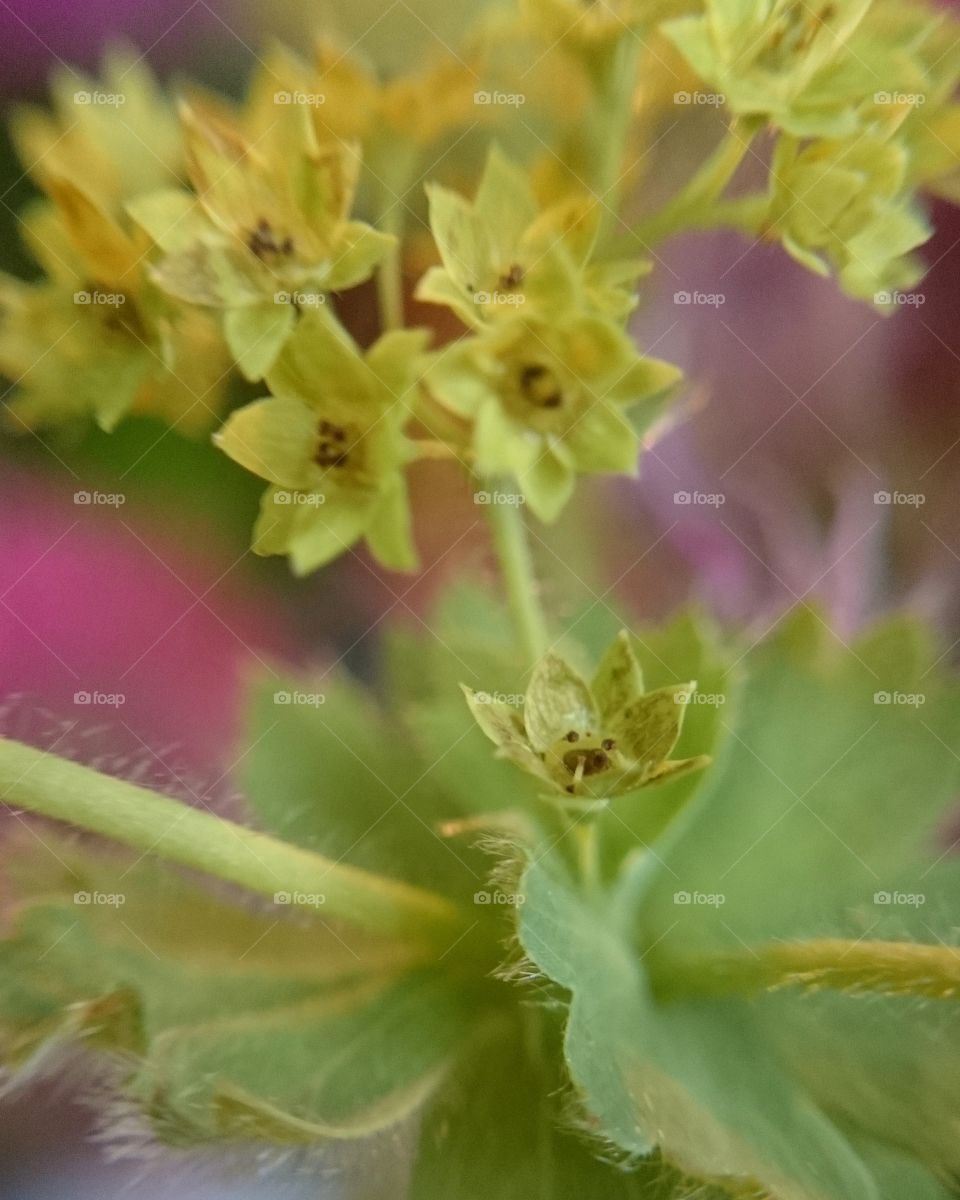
(331, 449)
(263, 241)
(540, 387)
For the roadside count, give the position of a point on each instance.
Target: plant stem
(887, 968)
(510, 539)
(613, 127)
(395, 184)
(66, 791)
(702, 191)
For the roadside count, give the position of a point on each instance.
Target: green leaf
(691, 1078)
(230, 1022)
(328, 769)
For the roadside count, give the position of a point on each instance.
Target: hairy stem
(397, 167)
(886, 968)
(143, 820)
(510, 539)
(702, 191)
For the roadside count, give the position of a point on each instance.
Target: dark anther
(540, 386)
(330, 450)
(608, 744)
(263, 241)
(572, 736)
(513, 278)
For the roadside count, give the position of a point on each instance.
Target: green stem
(702, 191)
(887, 968)
(53, 787)
(398, 165)
(613, 126)
(510, 539)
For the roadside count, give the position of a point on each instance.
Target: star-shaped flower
(781, 60)
(844, 206)
(330, 440)
(502, 255)
(268, 231)
(547, 401)
(592, 741)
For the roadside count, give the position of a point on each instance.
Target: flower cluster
(183, 243)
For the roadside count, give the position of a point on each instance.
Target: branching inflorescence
(724, 1031)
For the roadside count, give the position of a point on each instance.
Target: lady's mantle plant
(692, 972)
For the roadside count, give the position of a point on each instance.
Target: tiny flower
(501, 253)
(592, 741)
(330, 441)
(547, 401)
(790, 63)
(270, 218)
(855, 217)
(94, 338)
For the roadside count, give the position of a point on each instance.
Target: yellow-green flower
(785, 60)
(547, 400)
(115, 137)
(268, 233)
(502, 255)
(330, 441)
(590, 741)
(841, 206)
(94, 337)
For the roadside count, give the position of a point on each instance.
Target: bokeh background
(803, 410)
